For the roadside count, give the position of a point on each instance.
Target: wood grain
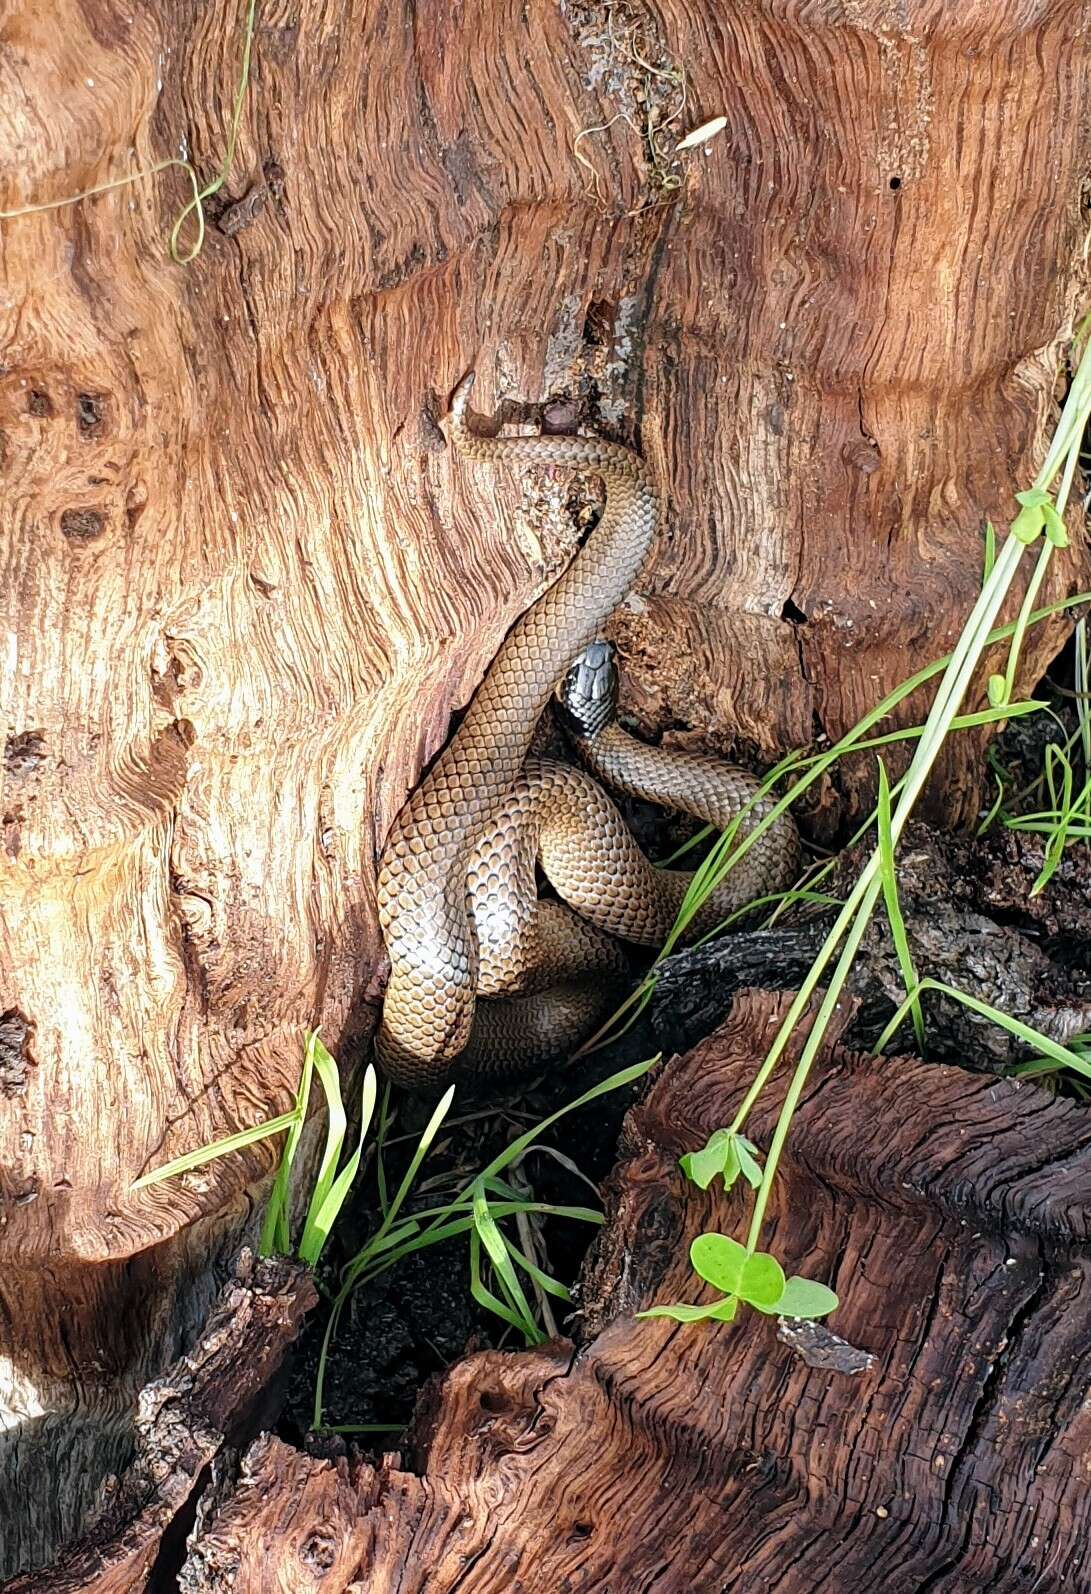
(936, 1436)
(190, 1425)
(245, 583)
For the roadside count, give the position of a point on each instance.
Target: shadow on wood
(208, 1404)
(247, 583)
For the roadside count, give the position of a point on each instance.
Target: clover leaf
(725, 1155)
(1028, 523)
(1055, 527)
(801, 1298)
(755, 1277)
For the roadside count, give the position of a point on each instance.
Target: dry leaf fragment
(702, 134)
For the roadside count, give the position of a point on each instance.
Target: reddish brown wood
(210, 1401)
(951, 1214)
(940, 1441)
(299, 1522)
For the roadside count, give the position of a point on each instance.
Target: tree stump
(247, 584)
(190, 1426)
(935, 1435)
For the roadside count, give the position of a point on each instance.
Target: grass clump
(478, 1210)
(1038, 526)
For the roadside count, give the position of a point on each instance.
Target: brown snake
(457, 892)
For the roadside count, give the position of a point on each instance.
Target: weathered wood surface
(970, 921)
(941, 1440)
(245, 583)
(190, 1422)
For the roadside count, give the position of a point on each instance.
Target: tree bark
(247, 584)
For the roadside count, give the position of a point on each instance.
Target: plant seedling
(752, 1277)
(724, 1155)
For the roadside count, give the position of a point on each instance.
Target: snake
(486, 978)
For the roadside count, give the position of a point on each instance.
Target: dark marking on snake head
(587, 697)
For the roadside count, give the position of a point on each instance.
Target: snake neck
(488, 749)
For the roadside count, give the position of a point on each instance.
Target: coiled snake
(458, 900)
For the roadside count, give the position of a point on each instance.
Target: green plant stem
(896, 919)
(1026, 608)
(865, 893)
(852, 922)
(721, 859)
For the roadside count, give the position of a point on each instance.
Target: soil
(414, 1321)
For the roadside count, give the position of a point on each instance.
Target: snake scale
(457, 892)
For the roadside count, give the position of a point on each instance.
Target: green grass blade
(612, 1029)
(544, 1281)
(617, 1081)
(496, 1246)
(1083, 692)
(423, 1146)
(323, 1211)
(336, 1124)
(889, 877)
(508, 1312)
(687, 846)
(1046, 825)
(998, 803)
(382, 1133)
(990, 551)
(1060, 1056)
(275, 1229)
(780, 898)
(1026, 608)
(197, 1159)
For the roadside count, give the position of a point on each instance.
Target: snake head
(587, 697)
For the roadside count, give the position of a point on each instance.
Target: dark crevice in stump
(935, 1434)
(971, 922)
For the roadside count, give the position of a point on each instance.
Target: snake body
(457, 892)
